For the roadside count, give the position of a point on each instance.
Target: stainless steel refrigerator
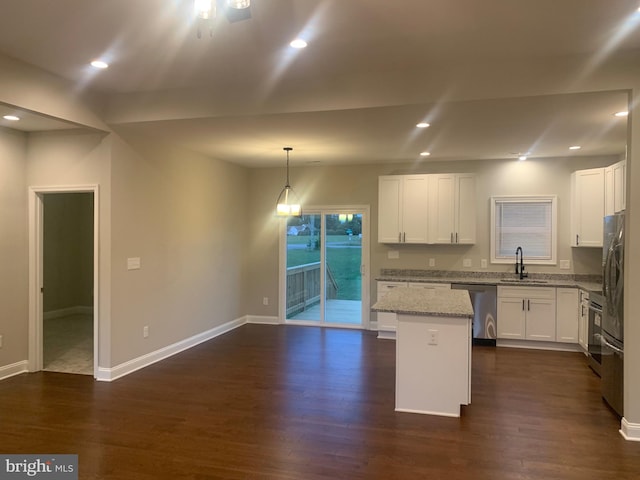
(612, 316)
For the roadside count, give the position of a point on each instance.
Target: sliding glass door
(324, 266)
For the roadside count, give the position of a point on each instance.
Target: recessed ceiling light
(298, 43)
(575, 147)
(11, 118)
(99, 64)
(425, 154)
(621, 114)
(422, 125)
(522, 157)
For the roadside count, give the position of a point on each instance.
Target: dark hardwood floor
(284, 402)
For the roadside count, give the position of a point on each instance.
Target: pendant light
(288, 204)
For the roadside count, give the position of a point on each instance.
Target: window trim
(554, 228)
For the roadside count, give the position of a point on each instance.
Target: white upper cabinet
(427, 209)
(402, 208)
(587, 207)
(415, 202)
(452, 208)
(615, 187)
(389, 209)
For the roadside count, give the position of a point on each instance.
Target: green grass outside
(343, 262)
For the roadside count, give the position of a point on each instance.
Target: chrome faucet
(520, 267)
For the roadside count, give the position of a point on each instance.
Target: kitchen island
(433, 349)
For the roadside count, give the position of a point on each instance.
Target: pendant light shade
(288, 204)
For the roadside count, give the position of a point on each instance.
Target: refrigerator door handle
(607, 276)
(612, 347)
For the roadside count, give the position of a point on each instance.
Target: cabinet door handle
(399, 237)
(523, 304)
(577, 240)
(404, 237)
(528, 304)
(456, 237)
(451, 237)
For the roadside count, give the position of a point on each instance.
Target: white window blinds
(527, 222)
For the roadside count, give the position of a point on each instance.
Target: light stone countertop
(414, 301)
(584, 282)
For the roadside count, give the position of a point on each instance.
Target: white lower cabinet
(430, 286)
(387, 321)
(567, 315)
(527, 313)
(583, 325)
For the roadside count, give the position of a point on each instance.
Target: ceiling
(153, 48)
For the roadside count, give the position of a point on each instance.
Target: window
(524, 221)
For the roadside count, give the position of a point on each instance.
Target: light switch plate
(565, 264)
(483, 263)
(432, 262)
(393, 254)
(466, 262)
(133, 263)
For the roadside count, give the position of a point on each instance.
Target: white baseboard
(630, 431)
(110, 374)
(536, 345)
(267, 320)
(64, 312)
(17, 368)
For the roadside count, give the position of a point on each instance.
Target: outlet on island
(145, 331)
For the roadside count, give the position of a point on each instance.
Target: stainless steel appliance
(612, 316)
(483, 299)
(594, 335)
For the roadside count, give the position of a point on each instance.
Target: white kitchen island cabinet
(433, 349)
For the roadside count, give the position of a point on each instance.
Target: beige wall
(33, 89)
(184, 215)
(359, 185)
(13, 247)
(632, 269)
(67, 250)
(80, 159)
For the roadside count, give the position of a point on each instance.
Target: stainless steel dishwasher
(483, 299)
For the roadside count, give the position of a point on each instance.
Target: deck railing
(303, 287)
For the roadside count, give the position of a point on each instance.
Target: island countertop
(416, 301)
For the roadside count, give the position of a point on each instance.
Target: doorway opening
(63, 320)
(325, 280)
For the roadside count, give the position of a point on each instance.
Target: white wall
(13, 247)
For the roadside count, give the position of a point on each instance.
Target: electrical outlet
(433, 337)
(265, 301)
(145, 331)
(0, 341)
(483, 263)
(565, 264)
(466, 262)
(133, 263)
(432, 262)
(393, 254)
